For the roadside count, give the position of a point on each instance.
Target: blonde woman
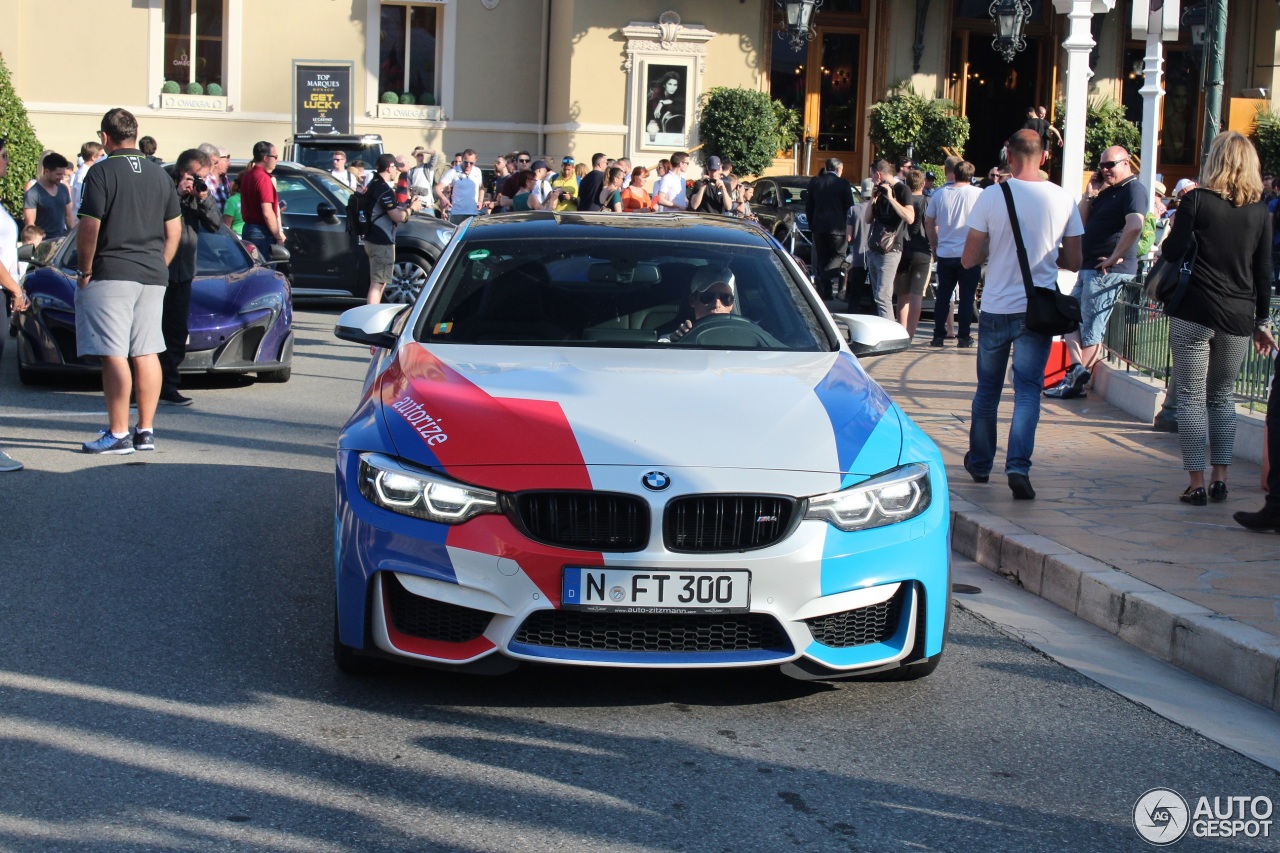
(1225, 304)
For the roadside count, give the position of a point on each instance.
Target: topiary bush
(905, 118)
(171, 87)
(1104, 125)
(1266, 138)
(739, 124)
(788, 126)
(429, 99)
(23, 147)
(213, 89)
(194, 88)
(407, 98)
(390, 98)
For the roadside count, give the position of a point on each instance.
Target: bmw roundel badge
(655, 481)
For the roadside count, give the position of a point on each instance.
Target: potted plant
(739, 124)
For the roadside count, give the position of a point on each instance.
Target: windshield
(320, 155)
(220, 254)
(620, 293)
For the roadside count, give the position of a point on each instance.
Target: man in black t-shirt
(130, 226)
(888, 214)
(1112, 209)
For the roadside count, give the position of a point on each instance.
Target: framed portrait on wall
(668, 107)
(665, 63)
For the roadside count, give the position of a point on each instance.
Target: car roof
(683, 227)
(790, 180)
(284, 167)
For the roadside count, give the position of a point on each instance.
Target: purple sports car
(241, 314)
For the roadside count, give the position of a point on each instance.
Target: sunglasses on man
(709, 298)
(1111, 164)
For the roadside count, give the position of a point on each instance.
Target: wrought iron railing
(1138, 338)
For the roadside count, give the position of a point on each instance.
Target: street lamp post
(1154, 22)
(1078, 44)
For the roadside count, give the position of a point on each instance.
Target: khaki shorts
(913, 275)
(120, 318)
(382, 262)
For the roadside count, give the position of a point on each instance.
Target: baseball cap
(713, 164)
(1182, 186)
(539, 164)
(709, 275)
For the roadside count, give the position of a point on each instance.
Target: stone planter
(201, 103)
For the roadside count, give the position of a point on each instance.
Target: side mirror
(871, 335)
(278, 255)
(326, 211)
(369, 325)
(26, 253)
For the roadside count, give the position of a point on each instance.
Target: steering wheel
(729, 330)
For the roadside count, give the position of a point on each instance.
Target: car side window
(300, 196)
(769, 197)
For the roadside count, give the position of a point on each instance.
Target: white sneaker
(8, 463)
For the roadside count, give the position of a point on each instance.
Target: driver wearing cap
(712, 291)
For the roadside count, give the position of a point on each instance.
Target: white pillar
(1152, 92)
(1155, 22)
(1078, 45)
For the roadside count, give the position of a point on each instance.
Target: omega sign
(322, 98)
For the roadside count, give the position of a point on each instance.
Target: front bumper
(833, 602)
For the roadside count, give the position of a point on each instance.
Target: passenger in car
(712, 291)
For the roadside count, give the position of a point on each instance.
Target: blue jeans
(261, 239)
(1097, 294)
(951, 273)
(997, 334)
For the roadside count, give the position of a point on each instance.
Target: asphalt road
(166, 684)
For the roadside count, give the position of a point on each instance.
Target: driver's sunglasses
(1110, 164)
(523, 160)
(710, 298)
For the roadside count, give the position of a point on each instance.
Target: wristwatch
(86, 273)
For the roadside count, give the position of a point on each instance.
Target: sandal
(1195, 497)
(1217, 491)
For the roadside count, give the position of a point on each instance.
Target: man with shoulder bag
(1026, 229)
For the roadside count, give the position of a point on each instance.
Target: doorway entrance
(823, 80)
(992, 93)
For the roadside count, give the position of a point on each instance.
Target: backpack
(360, 211)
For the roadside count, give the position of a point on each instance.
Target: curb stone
(1230, 654)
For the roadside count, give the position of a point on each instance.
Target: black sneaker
(1265, 520)
(1020, 485)
(143, 439)
(106, 443)
(936, 342)
(964, 343)
(977, 478)
(174, 398)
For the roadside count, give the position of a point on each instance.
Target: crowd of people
(1002, 236)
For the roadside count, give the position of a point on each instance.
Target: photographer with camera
(888, 215)
(710, 194)
(199, 213)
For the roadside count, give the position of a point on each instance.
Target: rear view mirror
(622, 273)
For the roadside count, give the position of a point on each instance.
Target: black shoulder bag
(1049, 310)
(1167, 282)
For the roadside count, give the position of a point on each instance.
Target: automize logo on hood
(655, 481)
(421, 421)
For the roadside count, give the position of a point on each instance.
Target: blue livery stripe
(855, 404)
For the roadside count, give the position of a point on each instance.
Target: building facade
(574, 76)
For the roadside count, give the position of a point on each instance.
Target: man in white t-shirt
(90, 153)
(669, 194)
(1051, 231)
(422, 177)
(946, 222)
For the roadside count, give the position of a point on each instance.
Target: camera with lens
(198, 185)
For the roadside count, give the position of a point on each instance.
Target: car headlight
(272, 301)
(891, 497)
(409, 491)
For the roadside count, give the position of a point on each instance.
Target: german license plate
(657, 591)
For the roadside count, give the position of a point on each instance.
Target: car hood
(219, 295)
(465, 407)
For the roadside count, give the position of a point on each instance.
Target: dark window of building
(193, 38)
(407, 51)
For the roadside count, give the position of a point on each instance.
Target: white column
(1152, 92)
(1078, 45)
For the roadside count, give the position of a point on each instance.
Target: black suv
(326, 259)
(316, 149)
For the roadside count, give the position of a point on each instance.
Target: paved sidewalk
(1106, 536)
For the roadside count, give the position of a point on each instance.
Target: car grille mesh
(861, 627)
(429, 619)
(590, 521)
(652, 632)
(710, 523)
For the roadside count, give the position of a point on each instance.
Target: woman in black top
(1226, 303)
